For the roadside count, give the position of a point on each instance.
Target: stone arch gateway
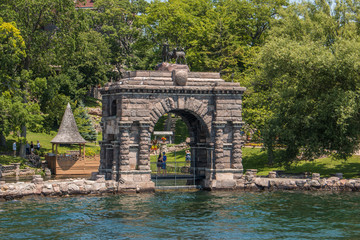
(211, 108)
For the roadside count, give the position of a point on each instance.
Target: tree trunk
(270, 156)
(22, 150)
(2, 140)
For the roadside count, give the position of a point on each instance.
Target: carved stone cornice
(115, 143)
(124, 124)
(219, 124)
(144, 124)
(238, 124)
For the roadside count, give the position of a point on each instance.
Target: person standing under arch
(188, 157)
(163, 166)
(14, 148)
(159, 163)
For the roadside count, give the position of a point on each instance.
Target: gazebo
(68, 132)
(73, 162)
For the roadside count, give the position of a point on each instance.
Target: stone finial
(180, 77)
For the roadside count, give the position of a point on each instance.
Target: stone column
(102, 157)
(115, 163)
(124, 145)
(108, 161)
(144, 154)
(236, 149)
(219, 145)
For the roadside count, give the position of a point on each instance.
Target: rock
(64, 187)
(272, 175)
(100, 178)
(47, 189)
(73, 188)
(300, 183)
(95, 111)
(79, 182)
(315, 183)
(262, 182)
(47, 172)
(315, 176)
(37, 179)
(99, 187)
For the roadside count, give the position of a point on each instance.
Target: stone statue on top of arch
(178, 54)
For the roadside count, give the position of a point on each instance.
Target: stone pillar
(219, 145)
(115, 163)
(102, 157)
(124, 145)
(108, 161)
(237, 144)
(144, 154)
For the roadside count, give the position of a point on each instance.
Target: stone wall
(66, 187)
(248, 182)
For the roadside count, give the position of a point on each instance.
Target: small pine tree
(84, 123)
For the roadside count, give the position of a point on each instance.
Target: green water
(185, 215)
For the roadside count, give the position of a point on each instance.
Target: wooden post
(56, 154)
(84, 159)
(80, 150)
(84, 151)
(52, 148)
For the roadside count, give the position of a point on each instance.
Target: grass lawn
(46, 145)
(170, 162)
(255, 158)
(7, 160)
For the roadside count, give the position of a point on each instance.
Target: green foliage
(181, 131)
(159, 126)
(115, 20)
(14, 111)
(84, 123)
(7, 160)
(217, 35)
(307, 85)
(90, 153)
(12, 48)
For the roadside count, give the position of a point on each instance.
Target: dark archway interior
(113, 108)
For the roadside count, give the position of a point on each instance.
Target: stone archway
(200, 136)
(210, 106)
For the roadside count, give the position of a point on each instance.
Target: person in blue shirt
(188, 157)
(163, 166)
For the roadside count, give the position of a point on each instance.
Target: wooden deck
(73, 165)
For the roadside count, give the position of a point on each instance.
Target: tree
(42, 25)
(84, 123)
(116, 21)
(306, 80)
(217, 35)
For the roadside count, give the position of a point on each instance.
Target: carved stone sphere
(180, 77)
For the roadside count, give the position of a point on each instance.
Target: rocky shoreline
(249, 182)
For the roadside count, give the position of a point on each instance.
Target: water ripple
(185, 215)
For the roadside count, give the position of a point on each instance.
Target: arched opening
(184, 137)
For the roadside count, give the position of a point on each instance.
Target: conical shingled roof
(68, 132)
